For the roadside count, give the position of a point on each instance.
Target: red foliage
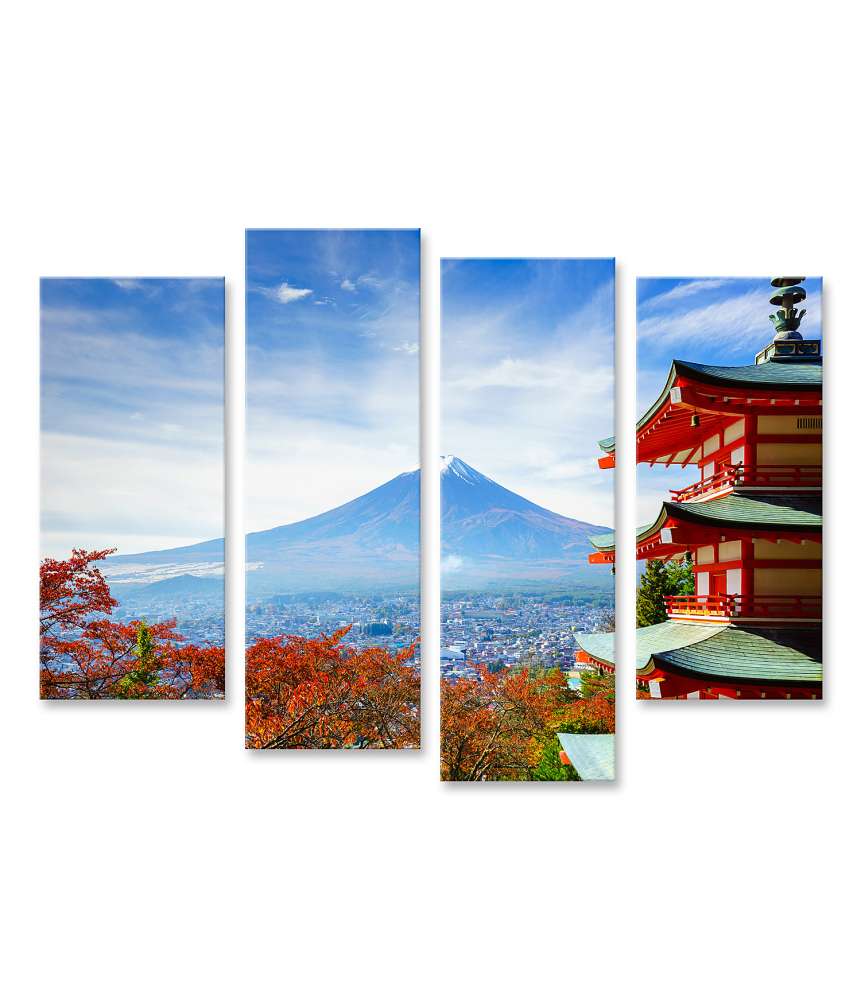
(319, 693)
(71, 592)
(495, 727)
(86, 655)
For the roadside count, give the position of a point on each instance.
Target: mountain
(183, 584)
(490, 537)
(494, 538)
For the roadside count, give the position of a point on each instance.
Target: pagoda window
(703, 584)
(789, 425)
(791, 582)
(711, 444)
(734, 432)
(789, 453)
(705, 554)
(729, 551)
(733, 581)
(763, 549)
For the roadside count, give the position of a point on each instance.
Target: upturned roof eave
(689, 369)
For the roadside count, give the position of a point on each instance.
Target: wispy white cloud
(131, 418)
(285, 293)
(407, 347)
(524, 400)
(739, 321)
(349, 286)
(685, 289)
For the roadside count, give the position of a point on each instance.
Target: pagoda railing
(729, 606)
(775, 477)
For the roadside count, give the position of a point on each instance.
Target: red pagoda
(750, 524)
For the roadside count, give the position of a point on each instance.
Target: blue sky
(528, 377)
(132, 394)
(709, 321)
(332, 367)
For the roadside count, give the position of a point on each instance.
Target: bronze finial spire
(787, 319)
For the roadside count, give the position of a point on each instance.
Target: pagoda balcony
(777, 478)
(744, 607)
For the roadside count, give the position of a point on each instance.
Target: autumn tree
(494, 726)
(71, 592)
(323, 694)
(85, 654)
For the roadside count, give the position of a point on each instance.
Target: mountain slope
(490, 535)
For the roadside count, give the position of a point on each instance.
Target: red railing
(777, 477)
(743, 606)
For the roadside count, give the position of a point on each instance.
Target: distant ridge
(490, 536)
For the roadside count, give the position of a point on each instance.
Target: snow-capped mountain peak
(451, 465)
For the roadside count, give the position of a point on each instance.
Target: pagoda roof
(800, 374)
(796, 374)
(603, 542)
(793, 513)
(771, 512)
(592, 756)
(732, 652)
(738, 652)
(650, 640)
(600, 646)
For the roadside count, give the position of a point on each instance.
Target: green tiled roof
(604, 541)
(805, 374)
(740, 653)
(601, 645)
(801, 513)
(593, 756)
(798, 374)
(651, 639)
(607, 444)
(734, 652)
(669, 635)
(790, 513)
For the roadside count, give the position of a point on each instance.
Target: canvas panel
(333, 488)
(527, 388)
(132, 416)
(729, 452)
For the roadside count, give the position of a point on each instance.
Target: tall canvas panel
(527, 390)
(729, 452)
(333, 487)
(132, 415)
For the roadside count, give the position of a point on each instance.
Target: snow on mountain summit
(451, 465)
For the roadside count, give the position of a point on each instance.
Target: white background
(145, 853)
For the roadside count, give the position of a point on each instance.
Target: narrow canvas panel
(333, 485)
(527, 389)
(729, 446)
(132, 415)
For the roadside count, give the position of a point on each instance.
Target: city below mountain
(491, 538)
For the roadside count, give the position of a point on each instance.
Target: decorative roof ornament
(787, 319)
